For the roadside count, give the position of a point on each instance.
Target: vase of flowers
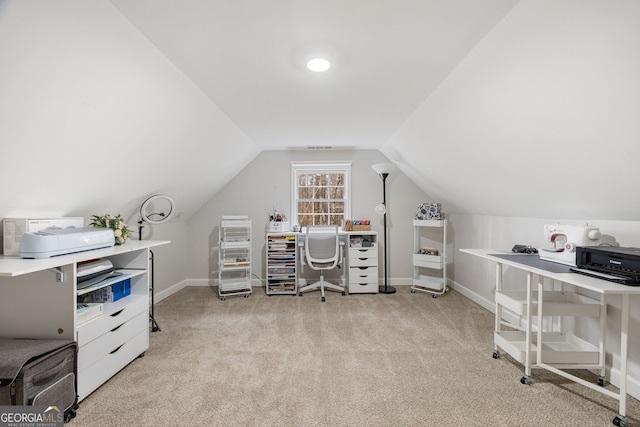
(116, 223)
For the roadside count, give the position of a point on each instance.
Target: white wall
(93, 118)
(539, 120)
(266, 183)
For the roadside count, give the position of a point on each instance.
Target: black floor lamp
(155, 210)
(384, 169)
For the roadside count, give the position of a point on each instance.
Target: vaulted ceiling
(497, 107)
(249, 56)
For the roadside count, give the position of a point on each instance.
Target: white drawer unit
(108, 342)
(363, 263)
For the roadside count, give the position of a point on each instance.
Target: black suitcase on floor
(39, 373)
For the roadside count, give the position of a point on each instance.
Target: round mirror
(157, 209)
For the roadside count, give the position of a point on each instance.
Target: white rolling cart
(429, 256)
(234, 257)
(281, 264)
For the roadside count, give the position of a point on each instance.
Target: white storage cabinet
(363, 263)
(234, 257)
(39, 298)
(430, 269)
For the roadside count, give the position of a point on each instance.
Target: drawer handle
(363, 250)
(118, 313)
(363, 259)
(117, 327)
(363, 268)
(114, 351)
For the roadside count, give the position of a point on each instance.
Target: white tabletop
(15, 266)
(586, 282)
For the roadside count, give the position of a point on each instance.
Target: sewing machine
(566, 238)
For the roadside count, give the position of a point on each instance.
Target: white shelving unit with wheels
(429, 256)
(234, 257)
(281, 264)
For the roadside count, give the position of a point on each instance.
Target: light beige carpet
(357, 360)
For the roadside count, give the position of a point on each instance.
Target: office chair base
(322, 286)
(387, 290)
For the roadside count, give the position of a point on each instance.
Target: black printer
(616, 264)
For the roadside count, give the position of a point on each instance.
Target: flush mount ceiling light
(318, 65)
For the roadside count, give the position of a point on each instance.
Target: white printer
(62, 241)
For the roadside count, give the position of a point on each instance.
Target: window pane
(305, 192)
(336, 220)
(336, 207)
(335, 192)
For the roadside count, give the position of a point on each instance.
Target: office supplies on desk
(565, 240)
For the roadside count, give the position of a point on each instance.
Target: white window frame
(320, 167)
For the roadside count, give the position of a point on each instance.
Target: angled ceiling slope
(248, 57)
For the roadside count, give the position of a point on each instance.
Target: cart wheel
(322, 299)
(434, 296)
(300, 294)
(496, 354)
(141, 355)
(413, 291)
(343, 293)
(246, 295)
(525, 380)
(223, 298)
(601, 381)
(620, 421)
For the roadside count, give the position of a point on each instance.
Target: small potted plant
(116, 223)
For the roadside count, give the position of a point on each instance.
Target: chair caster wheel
(496, 354)
(300, 294)
(525, 380)
(343, 293)
(620, 421)
(322, 299)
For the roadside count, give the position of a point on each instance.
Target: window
(320, 193)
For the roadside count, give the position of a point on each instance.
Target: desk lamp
(384, 169)
(151, 214)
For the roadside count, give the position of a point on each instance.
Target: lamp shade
(383, 168)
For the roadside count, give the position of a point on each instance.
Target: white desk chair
(322, 251)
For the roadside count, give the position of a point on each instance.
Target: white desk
(601, 287)
(284, 263)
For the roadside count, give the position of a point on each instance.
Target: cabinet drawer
(110, 342)
(363, 288)
(363, 261)
(363, 274)
(363, 252)
(99, 372)
(132, 306)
